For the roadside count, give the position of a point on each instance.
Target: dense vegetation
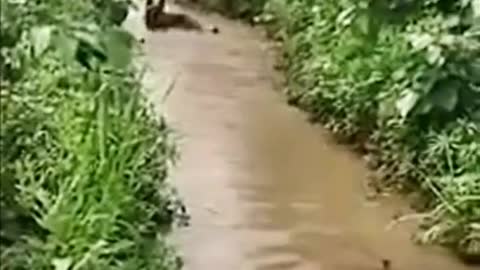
(84, 161)
(401, 79)
(232, 8)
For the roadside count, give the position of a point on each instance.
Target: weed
(85, 160)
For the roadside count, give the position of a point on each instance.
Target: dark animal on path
(157, 19)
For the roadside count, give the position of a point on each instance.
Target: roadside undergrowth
(84, 160)
(400, 80)
(231, 8)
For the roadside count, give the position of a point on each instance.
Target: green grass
(85, 160)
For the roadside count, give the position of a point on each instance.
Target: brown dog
(157, 19)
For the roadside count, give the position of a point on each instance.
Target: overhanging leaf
(62, 264)
(445, 94)
(474, 70)
(475, 115)
(90, 39)
(420, 41)
(67, 46)
(434, 55)
(399, 74)
(407, 102)
(362, 23)
(423, 107)
(451, 21)
(41, 37)
(345, 17)
(476, 8)
(118, 47)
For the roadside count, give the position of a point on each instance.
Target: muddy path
(266, 190)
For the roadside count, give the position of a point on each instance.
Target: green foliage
(234, 8)
(84, 158)
(400, 78)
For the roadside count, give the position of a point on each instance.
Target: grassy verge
(84, 161)
(400, 79)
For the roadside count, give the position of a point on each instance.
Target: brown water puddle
(266, 190)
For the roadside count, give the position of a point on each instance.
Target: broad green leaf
(118, 47)
(76, 26)
(474, 70)
(18, 2)
(475, 115)
(387, 108)
(445, 94)
(345, 17)
(434, 56)
(399, 74)
(476, 8)
(41, 37)
(67, 46)
(447, 39)
(362, 23)
(407, 102)
(465, 3)
(451, 21)
(424, 106)
(62, 264)
(89, 38)
(420, 41)
(118, 246)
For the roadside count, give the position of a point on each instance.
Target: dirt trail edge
(266, 190)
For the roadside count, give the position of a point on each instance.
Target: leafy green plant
(85, 160)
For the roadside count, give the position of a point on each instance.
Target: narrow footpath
(266, 190)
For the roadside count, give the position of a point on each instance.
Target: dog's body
(157, 19)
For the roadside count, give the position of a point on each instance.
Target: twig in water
(170, 88)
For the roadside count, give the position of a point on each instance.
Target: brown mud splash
(266, 190)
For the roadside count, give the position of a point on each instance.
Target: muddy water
(266, 190)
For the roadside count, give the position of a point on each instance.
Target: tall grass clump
(84, 160)
(401, 79)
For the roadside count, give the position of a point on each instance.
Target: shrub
(84, 159)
